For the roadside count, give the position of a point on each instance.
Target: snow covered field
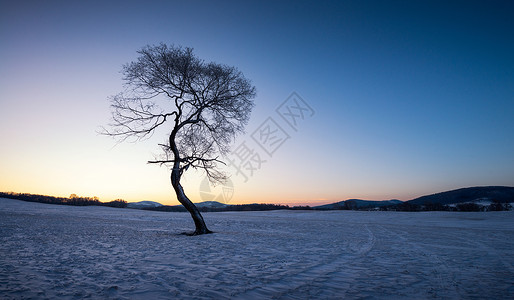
(65, 252)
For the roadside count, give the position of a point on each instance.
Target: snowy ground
(51, 251)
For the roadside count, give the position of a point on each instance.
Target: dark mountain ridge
(502, 194)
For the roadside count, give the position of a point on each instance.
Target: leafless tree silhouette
(207, 105)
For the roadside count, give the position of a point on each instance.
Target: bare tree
(206, 104)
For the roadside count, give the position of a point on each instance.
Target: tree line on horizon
(496, 205)
(407, 206)
(73, 199)
(232, 207)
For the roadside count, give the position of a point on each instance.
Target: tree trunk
(201, 228)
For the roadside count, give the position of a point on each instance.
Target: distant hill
(471, 194)
(357, 204)
(152, 204)
(482, 194)
(214, 206)
(143, 204)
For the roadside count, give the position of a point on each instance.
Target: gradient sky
(409, 97)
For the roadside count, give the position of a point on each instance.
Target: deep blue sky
(410, 97)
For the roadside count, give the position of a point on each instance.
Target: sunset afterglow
(393, 99)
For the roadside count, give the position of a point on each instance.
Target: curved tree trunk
(201, 228)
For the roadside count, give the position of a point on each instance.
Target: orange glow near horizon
(166, 196)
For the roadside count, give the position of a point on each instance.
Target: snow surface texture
(65, 252)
